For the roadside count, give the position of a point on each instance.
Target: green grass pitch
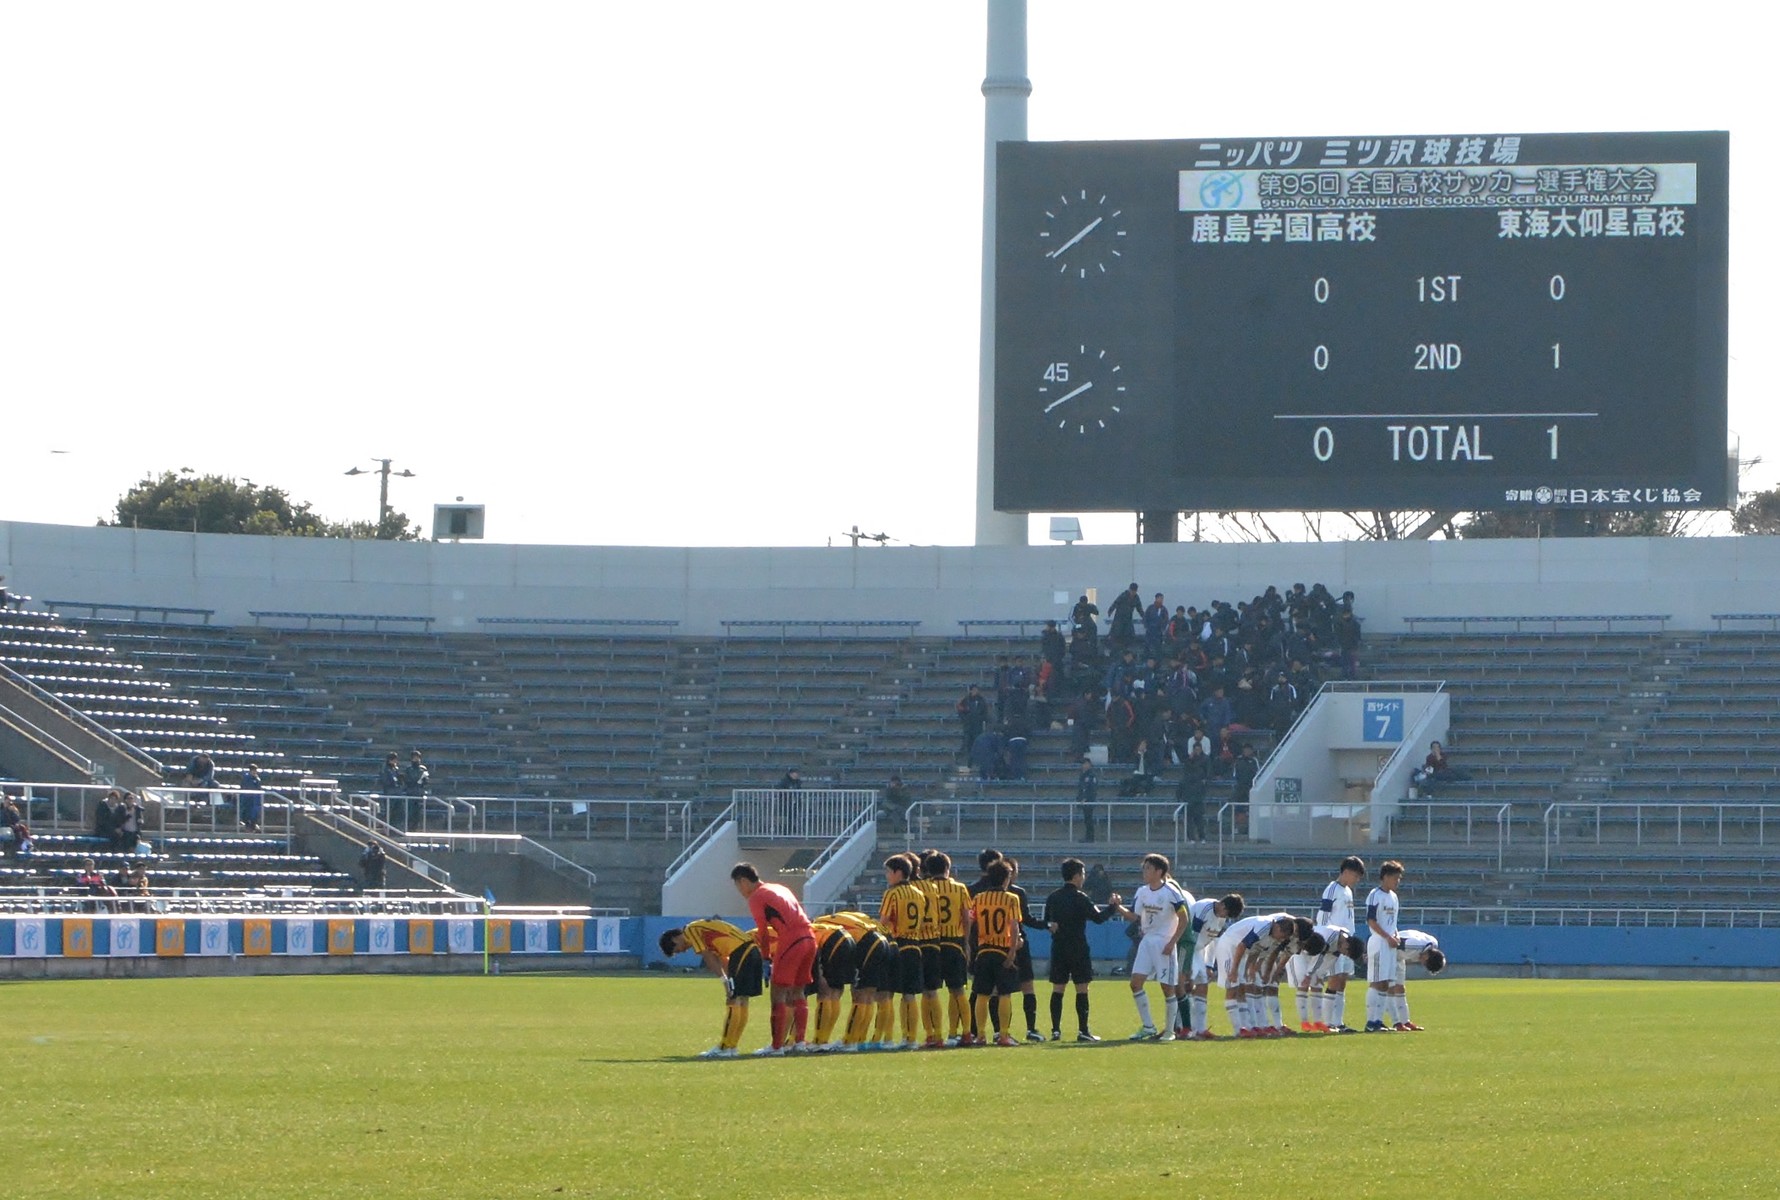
(548, 1086)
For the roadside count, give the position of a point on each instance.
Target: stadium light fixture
(383, 488)
(1067, 530)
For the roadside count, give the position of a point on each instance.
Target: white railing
(583, 820)
(514, 843)
(1654, 824)
(807, 814)
(1049, 820)
(136, 755)
(1604, 916)
(1484, 821)
(698, 843)
(218, 901)
(70, 807)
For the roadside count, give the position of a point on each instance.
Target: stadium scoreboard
(1433, 322)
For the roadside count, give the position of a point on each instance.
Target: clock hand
(1070, 396)
(1086, 230)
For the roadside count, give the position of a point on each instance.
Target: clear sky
(697, 273)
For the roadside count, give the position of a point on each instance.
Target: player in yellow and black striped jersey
(834, 971)
(996, 920)
(951, 902)
(932, 1023)
(874, 983)
(731, 955)
(900, 915)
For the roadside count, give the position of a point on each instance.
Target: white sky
(640, 272)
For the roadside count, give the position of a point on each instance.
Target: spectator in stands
(1347, 639)
(1195, 774)
(1044, 686)
(894, 812)
(252, 799)
(1436, 769)
(138, 886)
(127, 827)
(375, 864)
(1099, 885)
(1144, 771)
(1122, 617)
(1084, 626)
(415, 776)
(89, 879)
(105, 817)
(389, 786)
(11, 819)
(985, 754)
(1084, 717)
(1016, 734)
(1001, 688)
(1155, 626)
(1282, 704)
(1215, 713)
(1087, 791)
(790, 800)
(1121, 730)
(1246, 767)
(973, 718)
(1051, 646)
(201, 771)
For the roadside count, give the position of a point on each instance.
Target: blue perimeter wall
(1484, 945)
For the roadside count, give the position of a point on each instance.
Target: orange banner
(574, 937)
(170, 938)
(77, 937)
(256, 936)
(340, 937)
(420, 937)
(500, 936)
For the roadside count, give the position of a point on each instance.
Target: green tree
(185, 501)
(1594, 523)
(1759, 513)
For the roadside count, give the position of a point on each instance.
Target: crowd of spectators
(1165, 689)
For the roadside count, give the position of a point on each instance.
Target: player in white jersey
(1242, 948)
(1413, 946)
(1325, 1007)
(1160, 909)
(1304, 944)
(1207, 919)
(1310, 973)
(1382, 967)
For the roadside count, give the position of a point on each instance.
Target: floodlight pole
(1005, 88)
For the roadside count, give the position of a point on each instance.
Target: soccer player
(1413, 946)
(1207, 920)
(1067, 913)
(1328, 1004)
(932, 974)
(787, 950)
(1309, 975)
(900, 917)
(951, 905)
(833, 973)
(995, 913)
(1381, 948)
(1160, 909)
(1022, 965)
(730, 954)
(874, 984)
(1241, 950)
(1274, 973)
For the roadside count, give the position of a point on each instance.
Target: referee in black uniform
(1067, 913)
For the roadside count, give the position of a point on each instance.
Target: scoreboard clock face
(1467, 321)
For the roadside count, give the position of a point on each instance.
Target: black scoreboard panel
(1434, 322)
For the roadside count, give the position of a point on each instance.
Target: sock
(961, 1014)
(1233, 1010)
(1273, 1017)
(980, 1006)
(930, 1018)
(1171, 1012)
(1196, 1015)
(781, 1017)
(1142, 1000)
(1004, 1014)
(911, 1018)
(885, 1029)
(827, 1013)
(800, 1018)
(1304, 1007)
(1400, 1006)
(1335, 1009)
(1081, 1011)
(1374, 1003)
(733, 1024)
(858, 1023)
(1030, 1003)
(1057, 1011)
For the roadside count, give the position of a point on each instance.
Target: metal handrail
(44, 737)
(642, 818)
(1502, 813)
(523, 846)
(1351, 685)
(705, 835)
(865, 817)
(1554, 814)
(1068, 810)
(142, 757)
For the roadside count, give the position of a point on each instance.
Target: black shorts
(1023, 962)
(990, 971)
(930, 971)
(836, 961)
(1071, 966)
(952, 969)
(744, 970)
(908, 969)
(874, 963)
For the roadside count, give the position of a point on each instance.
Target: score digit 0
(1322, 443)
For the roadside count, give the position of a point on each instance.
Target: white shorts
(1381, 961)
(1223, 954)
(1199, 966)
(1300, 968)
(1343, 966)
(1155, 961)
